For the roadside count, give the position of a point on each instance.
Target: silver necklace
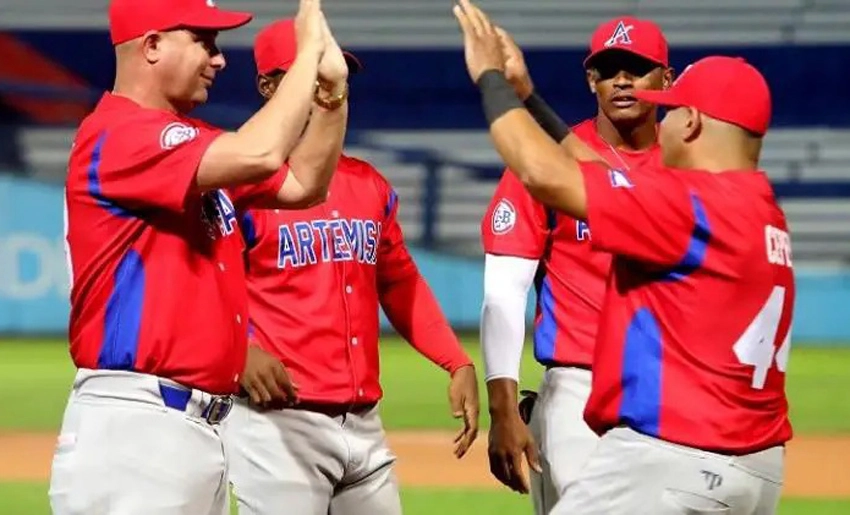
(619, 157)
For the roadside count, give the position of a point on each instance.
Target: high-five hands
(482, 45)
(333, 70)
(309, 28)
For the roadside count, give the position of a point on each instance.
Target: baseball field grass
(35, 376)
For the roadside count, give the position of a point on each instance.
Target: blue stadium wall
(430, 89)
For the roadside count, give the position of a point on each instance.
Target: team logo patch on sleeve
(619, 179)
(504, 217)
(175, 134)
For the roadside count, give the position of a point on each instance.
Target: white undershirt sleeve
(507, 280)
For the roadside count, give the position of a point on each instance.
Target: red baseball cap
(725, 88)
(276, 46)
(130, 19)
(640, 37)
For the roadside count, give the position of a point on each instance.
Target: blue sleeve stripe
(94, 179)
(391, 203)
(123, 318)
(641, 378)
(697, 247)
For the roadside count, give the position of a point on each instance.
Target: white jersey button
(354, 341)
(221, 266)
(348, 289)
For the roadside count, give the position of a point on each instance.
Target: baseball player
(525, 242)
(689, 365)
(159, 308)
(309, 438)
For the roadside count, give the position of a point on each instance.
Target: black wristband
(547, 118)
(497, 95)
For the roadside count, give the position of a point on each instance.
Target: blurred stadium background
(417, 118)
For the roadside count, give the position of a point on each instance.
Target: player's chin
(633, 112)
(201, 95)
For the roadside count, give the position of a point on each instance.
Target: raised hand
(333, 70)
(309, 27)
(516, 71)
(481, 42)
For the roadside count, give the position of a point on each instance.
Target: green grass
(37, 374)
(31, 499)
(415, 390)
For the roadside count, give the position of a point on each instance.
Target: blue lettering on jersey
(322, 228)
(582, 231)
(338, 239)
(286, 248)
(305, 242)
(218, 210)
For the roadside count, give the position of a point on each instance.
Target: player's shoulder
(361, 170)
(510, 189)
(585, 128)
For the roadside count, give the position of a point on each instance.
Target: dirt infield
(816, 467)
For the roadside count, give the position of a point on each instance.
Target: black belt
(333, 410)
(553, 364)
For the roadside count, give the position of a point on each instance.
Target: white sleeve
(507, 280)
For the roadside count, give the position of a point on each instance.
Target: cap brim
(667, 98)
(589, 59)
(354, 64)
(215, 19)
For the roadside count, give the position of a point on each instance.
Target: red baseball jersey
(571, 276)
(695, 331)
(156, 267)
(317, 278)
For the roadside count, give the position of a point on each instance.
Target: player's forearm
(413, 310)
(259, 148)
(548, 171)
(315, 158)
(276, 128)
(551, 175)
(507, 280)
(546, 117)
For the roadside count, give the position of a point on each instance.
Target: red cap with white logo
(131, 19)
(640, 37)
(725, 88)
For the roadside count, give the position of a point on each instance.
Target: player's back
(695, 353)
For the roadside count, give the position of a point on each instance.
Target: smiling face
(186, 63)
(614, 75)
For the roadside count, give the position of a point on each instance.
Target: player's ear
(152, 46)
(669, 77)
(693, 124)
(266, 86)
(592, 77)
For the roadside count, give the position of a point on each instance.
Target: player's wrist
(503, 397)
(331, 95)
(498, 97)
